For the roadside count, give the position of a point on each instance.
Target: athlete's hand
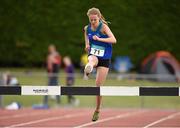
(87, 48)
(95, 37)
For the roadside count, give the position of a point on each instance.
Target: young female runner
(98, 44)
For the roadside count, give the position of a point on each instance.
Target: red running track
(81, 118)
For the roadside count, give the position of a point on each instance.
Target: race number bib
(97, 50)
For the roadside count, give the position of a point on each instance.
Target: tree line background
(141, 27)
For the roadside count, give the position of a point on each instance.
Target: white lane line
(49, 127)
(46, 119)
(111, 118)
(162, 119)
(23, 115)
(89, 127)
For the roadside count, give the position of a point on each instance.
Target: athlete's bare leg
(92, 62)
(102, 73)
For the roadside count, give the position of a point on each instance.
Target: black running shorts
(104, 63)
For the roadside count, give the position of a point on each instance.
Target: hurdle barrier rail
(101, 91)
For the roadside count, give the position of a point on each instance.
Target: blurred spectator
(122, 64)
(83, 62)
(53, 66)
(1, 101)
(1, 97)
(9, 79)
(69, 69)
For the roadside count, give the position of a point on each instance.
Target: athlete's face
(94, 20)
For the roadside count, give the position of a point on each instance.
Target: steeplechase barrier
(101, 91)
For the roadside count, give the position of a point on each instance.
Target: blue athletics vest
(100, 49)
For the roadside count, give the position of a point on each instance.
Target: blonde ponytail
(104, 20)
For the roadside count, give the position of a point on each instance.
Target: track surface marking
(162, 119)
(81, 118)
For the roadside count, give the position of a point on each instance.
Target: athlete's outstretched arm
(87, 46)
(107, 31)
